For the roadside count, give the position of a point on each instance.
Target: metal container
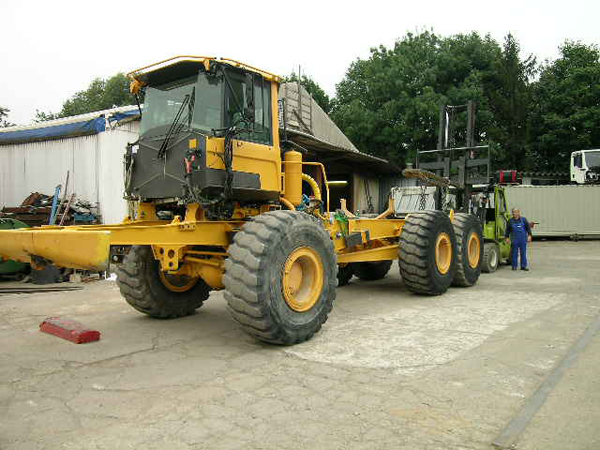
(569, 211)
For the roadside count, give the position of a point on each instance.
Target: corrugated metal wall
(560, 210)
(94, 162)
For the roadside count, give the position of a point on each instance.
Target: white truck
(585, 167)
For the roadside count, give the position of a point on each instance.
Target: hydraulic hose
(313, 185)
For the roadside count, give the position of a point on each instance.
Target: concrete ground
(389, 370)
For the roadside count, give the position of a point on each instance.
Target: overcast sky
(51, 49)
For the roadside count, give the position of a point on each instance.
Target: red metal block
(70, 330)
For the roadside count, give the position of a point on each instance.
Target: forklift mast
(461, 165)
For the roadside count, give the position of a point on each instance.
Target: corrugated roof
(71, 119)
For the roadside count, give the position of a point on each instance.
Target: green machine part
(8, 267)
(493, 230)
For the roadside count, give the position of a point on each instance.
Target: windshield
(162, 102)
(592, 159)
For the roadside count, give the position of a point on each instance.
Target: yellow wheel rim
(474, 250)
(302, 279)
(443, 253)
(177, 283)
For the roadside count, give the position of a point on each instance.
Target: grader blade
(62, 247)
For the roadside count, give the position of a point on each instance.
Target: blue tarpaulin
(59, 131)
(117, 117)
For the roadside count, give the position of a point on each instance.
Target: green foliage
(4, 123)
(41, 116)
(389, 104)
(566, 112)
(101, 94)
(509, 94)
(315, 91)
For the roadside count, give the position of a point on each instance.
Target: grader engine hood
(157, 169)
(62, 247)
(184, 165)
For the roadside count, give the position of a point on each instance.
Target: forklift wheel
(280, 277)
(491, 257)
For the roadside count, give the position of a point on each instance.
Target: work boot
(514, 268)
(526, 269)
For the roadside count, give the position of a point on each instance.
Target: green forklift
(463, 181)
(494, 215)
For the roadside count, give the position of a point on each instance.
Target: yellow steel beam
(377, 228)
(88, 247)
(63, 247)
(385, 253)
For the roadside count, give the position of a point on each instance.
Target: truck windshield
(592, 159)
(162, 102)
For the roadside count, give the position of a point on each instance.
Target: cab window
(236, 102)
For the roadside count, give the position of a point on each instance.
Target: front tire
(150, 291)
(280, 277)
(427, 255)
(469, 239)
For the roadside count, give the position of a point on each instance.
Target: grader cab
(220, 206)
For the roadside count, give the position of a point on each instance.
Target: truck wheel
(280, 277)
(491, 258)
(427, 255)
(151, 291)
(469, 239)
(371, 271)
(345, 274)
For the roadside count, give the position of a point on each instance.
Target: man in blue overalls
(520, 234)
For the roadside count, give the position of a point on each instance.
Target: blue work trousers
(519, 245)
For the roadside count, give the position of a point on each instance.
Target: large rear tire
(150, 291)
(427, 255)
(491, 257)
(371, 271)
(469, 239)
(280, 277)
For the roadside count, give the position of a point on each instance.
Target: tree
(100, 94)
(315, 91)
(4, 123)
(388, 105)
(41, 116)
(509, 93)
(566, 110)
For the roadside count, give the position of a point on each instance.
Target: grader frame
(278, 259)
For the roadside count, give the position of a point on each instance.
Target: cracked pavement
(389, 370)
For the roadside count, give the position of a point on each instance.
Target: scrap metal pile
(36, 210)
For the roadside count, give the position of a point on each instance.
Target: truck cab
(585, 167)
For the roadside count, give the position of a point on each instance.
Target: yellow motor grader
(219, 205)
